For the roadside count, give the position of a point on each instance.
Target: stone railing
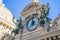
(42, 33)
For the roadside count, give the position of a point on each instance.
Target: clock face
(32, 23)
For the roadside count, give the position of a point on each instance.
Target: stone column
(58, 37)
(50, 38)
(45, 39)
(54, 37)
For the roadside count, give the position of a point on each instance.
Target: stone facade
(6, 23)
(43, 34)
(40, 33)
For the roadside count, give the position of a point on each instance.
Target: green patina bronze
(18, 28)
(44, 14)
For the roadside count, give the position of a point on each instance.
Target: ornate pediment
(30, 8)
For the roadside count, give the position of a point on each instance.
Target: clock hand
(33, 22)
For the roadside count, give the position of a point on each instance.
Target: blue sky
(16, 6)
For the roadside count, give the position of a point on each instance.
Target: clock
(32, 22)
